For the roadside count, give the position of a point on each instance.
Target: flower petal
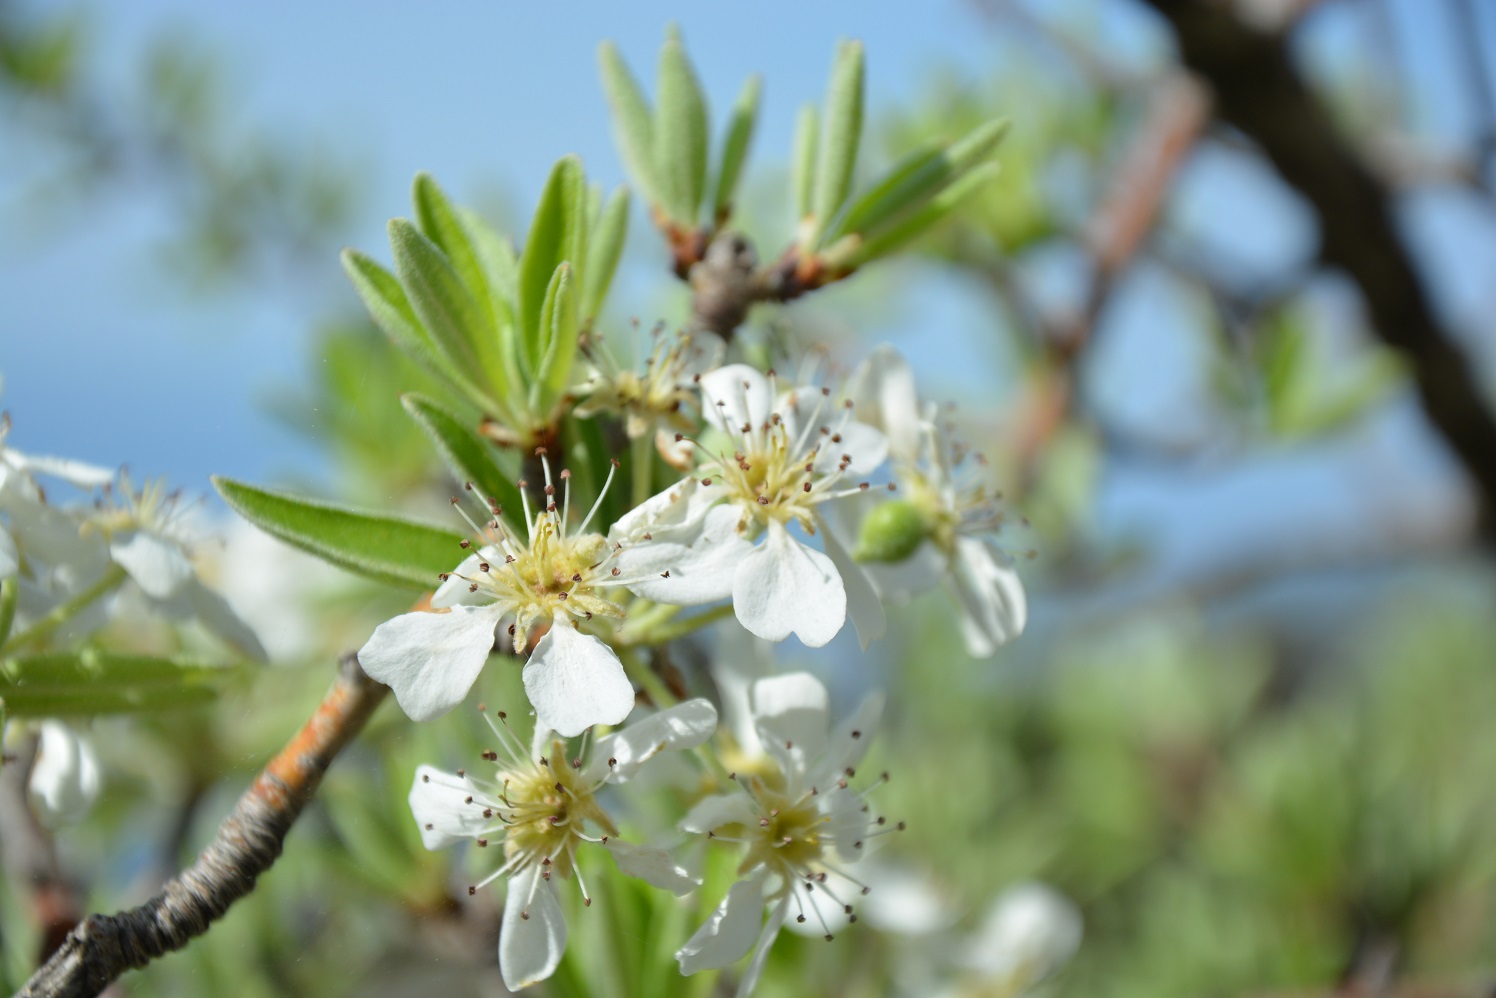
(994, 608)
(65, 778)
(783, 587)
(711, 813)
(883, 393)
(439, 802)
(863, 604)
(683, 726)
(740, 659)
(575, 680)
(847, 821)
(790, 712)
(1028, 933)
(734, 395)
(532, 938)
(653, 866)
(10, 560)
(158, 565)
(431, 660)
(851, 739)
(701, 559)
(217, 616)
(730, 931)
(456, 590)
(766, 938)
(84, 476)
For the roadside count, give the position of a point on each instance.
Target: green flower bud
(891, 532)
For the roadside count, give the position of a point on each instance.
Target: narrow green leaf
(919, 177)
(803, 160)
(91, 681)
(842, 135)
(388, 549)
(448, 311)
(735, 147)
(921, 220)
(447, 228)
(467, 455)
(559, 320)
(501, 265)
(557, 235)
(633, 121)
(391, 312)
(604, 250)
(681, 136)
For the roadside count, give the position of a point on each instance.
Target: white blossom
(65, 777)
(959, 522)
(540, 809)
(798, 819)
(790, 453)
(1029, 932)
(553, 577)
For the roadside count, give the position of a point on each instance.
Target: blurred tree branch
(1258, 89)
(29, 855)
(250, 839)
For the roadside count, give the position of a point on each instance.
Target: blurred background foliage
(1267, 773)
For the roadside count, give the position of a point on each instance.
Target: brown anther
(706, 481)
(565, 474)
(425, 777)
(482, 566)
(856, 733)
(763, 500)
(464, 544)
(473, 588)
(511, 630)
(468, 799)
(561, 596)
(615, 462)
(617, 571)
(807, 486)
(577, 577)
(665, 574)
(472, 890)
(482, 843)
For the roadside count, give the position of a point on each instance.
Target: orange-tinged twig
(104, 946)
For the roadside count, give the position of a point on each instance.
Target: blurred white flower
(541, 806)
(274, 586)
(65, 778)
(792, 453)
(554, 577)
(799, 820)
(940, 527)
(1029, 932)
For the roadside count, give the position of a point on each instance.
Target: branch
(1258, 90)
(29, 855)
(104, 946)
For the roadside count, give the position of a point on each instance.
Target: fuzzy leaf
(501, 268)
(397, 551)
(604, 250)
(391, 312)
(916, 223)
(557, 235)
(842, 135)
(633, 121)
(803, 160)
(445, 307)
(681, 134)
(468, 456)
(735, 147)
(559, 321)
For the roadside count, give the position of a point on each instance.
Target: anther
(472, 890)
(425, 777)
(464, 544)
(482, 566)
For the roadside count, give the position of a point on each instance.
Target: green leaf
(391, 312)
(803, 160)
(445, 227)
(501, 266)
(842, 135)
(448, 311)
(735, 147)
(557, 235)
(916, 179)
(558, 319)
(604, 250)
(91, 681)
(681, 136)
(388, 549)
(914, 224)
(633, 121)
(467, 455)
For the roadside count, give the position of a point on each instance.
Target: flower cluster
(801, 505)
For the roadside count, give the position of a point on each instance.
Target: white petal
(158, 565)
(900, 581)
(682, 505)
(994, 608)
(766, 938)
(741, 658)
(439, 802)
(65, 778)
(683, 726)
(729, 932)
(783, 587)
(743, 393)
(847, 820)
(1028, 933)
(217, 616)
(701, 561)
(851, 739)
(653, 866)
(457, 589)
(884, 395)
(533, 936)
(431, 660)
(84, 476)
(711, 813)
(704, 351)
(863, 604)
(10, 561)
(575, 680)
(867, 448)
(790, 712)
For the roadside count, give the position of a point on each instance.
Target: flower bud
(891, 532)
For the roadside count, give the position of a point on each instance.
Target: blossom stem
(66, 611)
(679, 627)
(8, 593)
(643, 462)
(104, 946)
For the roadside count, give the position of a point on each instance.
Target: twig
(1259, 90)
(247, 843)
